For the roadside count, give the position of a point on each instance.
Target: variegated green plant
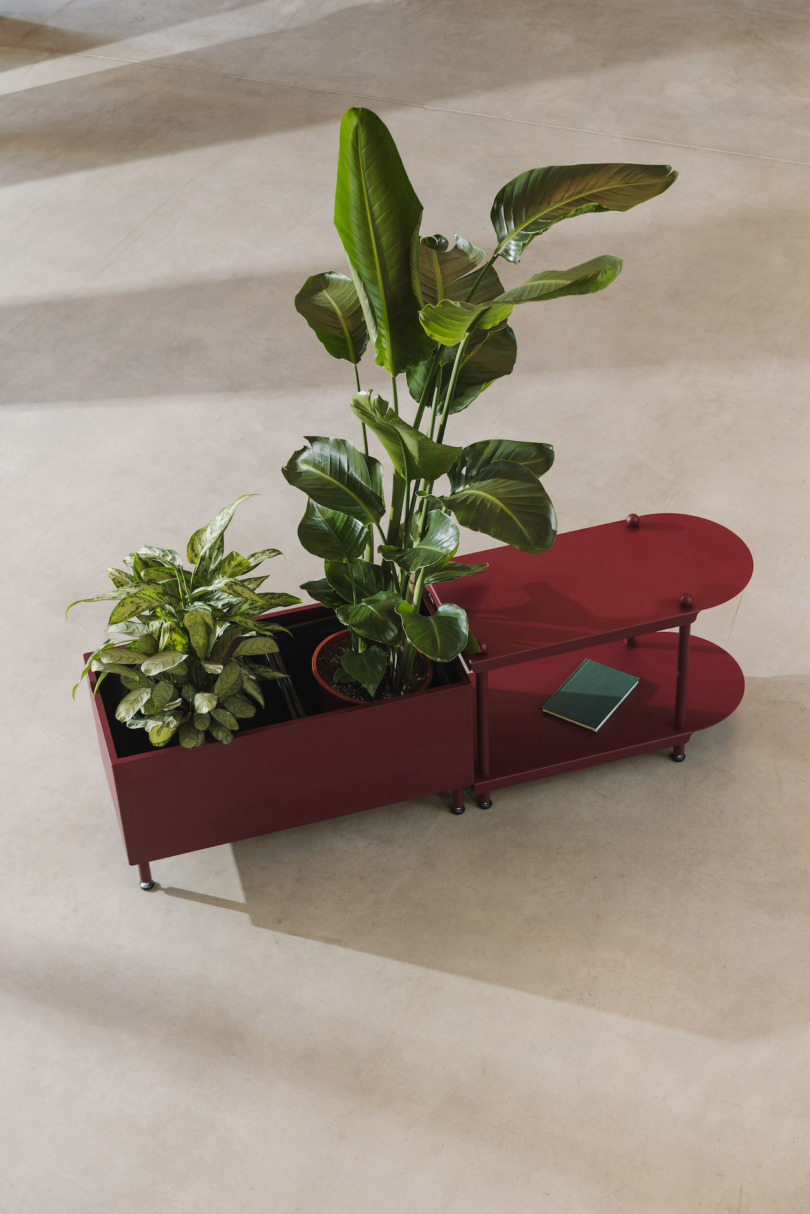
(183, 637)
(438, 314)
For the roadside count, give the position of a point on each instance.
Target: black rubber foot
(147, 885)
(485, 805)
(677, 758)
(457, 809)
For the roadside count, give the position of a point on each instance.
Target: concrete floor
(594, 999)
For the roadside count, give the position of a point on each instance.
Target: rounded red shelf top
(597, 582)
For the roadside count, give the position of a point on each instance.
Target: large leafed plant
(185, 640)
(439, 316)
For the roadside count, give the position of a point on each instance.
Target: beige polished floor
(594, 999)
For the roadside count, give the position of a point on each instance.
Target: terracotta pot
(330, 693)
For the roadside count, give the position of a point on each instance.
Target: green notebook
(590, 695)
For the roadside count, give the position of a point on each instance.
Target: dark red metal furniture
(294, 772)
(610, 590)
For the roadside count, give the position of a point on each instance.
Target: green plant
(185, 637)
(438, 315)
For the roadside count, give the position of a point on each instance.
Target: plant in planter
(185, 639)
(438, 315)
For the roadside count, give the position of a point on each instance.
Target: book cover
(590, 695)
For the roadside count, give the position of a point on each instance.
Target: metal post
(145, 874)
(457, 804)
(684, 637)
(482, 701)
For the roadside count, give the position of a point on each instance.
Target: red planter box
(291, 773)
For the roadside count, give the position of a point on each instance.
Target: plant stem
(417, 421)
(362, 424)
(394, 390)
(451, 387)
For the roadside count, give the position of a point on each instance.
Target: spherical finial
(632, 520)
(686, 601)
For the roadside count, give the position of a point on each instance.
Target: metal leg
(684, 638)
(145, 874)
(457, 804)
(485, 800)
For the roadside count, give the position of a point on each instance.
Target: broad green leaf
(510, 505)
(355, 580)
(188, 692)
(159, 575)
(252, 646)
(119, 578)
(122, 657)
(336, 475)
(162, 554)
(190, 736)
(366, 668)
(533, 201)
(239, 706)
(330, 534)
(439, 541)
(375, 618)
(199, 626)
(377, 216)
(413, 454)
(232, 565)
(448, 571)
(323, 592)
(449, 321)
(159, 735)
(225, 718)
(481, 363)
(109, 595)
(220, 733)
(203, 541)
(277, 598)
(264, 554)
(144, 598)
(201, 720)
(131, 702)
(240, 590)
(268, 675)
(146, 644)
(537, 457)
(212, 667)
(252, 688)
(584, 279)
(330, 305)
(441, 636)
(229, 682)
(160, 699)
(130, 678)
(204, 701)
(167, 659)
(439, 269)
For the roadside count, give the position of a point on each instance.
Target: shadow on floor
(404, 52)
(673, 894)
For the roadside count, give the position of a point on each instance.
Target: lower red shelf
(526, 743)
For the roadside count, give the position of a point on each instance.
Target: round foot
(147, 885)
(484, 804)
(678, 758)
(457, 809)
